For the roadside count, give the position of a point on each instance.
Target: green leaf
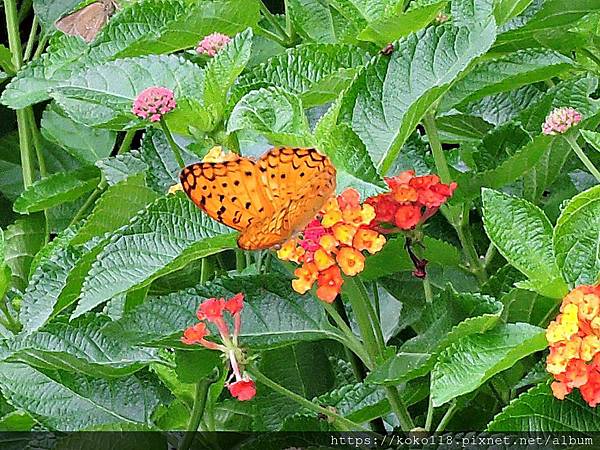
(69, 402)
(117, 168)
(222, 71)
(577, 239)
(6, 60)
(474, 359)
(102, 96)
(592, 138)
(116, 207)
(316, 21)
(537, 410)
(165, 237)
(274, 314)
(358, 402)
(192, 366)
(86, 144)
(16, 421)
(5, 272)
(23, 240)
(314, 72)
(80, 347)
(523, 235)
(447, 320)
(349, 156)
(274, 113)
(527, 306)
(504, 10)
(397, 23)
(58, 188)
(505, 73)
(389, 97)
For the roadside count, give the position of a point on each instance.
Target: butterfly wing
(88, 21)
(229, 191)
(298, 182)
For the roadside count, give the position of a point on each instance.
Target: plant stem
(447, 416)
(361, 304)
(572, 140)
(429, 418)
(341, 422)
(41, 46)
(89, 202)
(11, 322)
(197, 413)
(176, 149)
(31, 39)
(240, 260)
(14, 42)
(351, 341)
(427, 289)
(37, 142)
(466, 241)
(289, 26)
(436, 147)
(127, 140)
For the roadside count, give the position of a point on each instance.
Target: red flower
(407, 216)
(243, 389)
(330, 282)
(211, 309)
(195, 334)
(235, 304)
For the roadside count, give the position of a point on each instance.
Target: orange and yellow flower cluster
(410, 202)
(574, 339)
(331, 244)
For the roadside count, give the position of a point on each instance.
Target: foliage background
(102, 270)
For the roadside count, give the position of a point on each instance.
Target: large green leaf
(274, 113)
(117, 168)
(537, 410)
(505, 73)
(389, 97)
(79, 346)
(165, 237)
(448, 319)
(222, 71)
(474, 359)
(523, 235)
(23, 240)
(161, 26)
(317, 21)
(103, 95)
(315, 72)
(58, 188)
(505, 10)
(116, 207)
(577, 239)
(69, 402)
(274, 314)
(86, 144)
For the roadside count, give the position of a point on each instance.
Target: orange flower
(344, 232)
(323, 260)
(405, 194)
(307, 275)
(407, 216)
(369, 240)
(332, 213)
(351, 261)
(330, 283)
(291, 251)
(195, 334)
(574, 341)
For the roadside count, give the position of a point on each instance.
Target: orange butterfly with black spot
(268, 200)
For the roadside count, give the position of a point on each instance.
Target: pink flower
(560, 120)
(211, 309)
(235, 304)
(212, 44)
(244, 389)
(153, 103)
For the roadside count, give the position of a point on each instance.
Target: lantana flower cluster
(560, 120)
(333, 244)
(212, 44)
(211, 310)
(153, 103)
(574, 339)
(410, 202)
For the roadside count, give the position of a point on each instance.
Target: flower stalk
(174, 146)
(572, 140)
(200, 396)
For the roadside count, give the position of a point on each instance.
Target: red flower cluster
(331, 244)
(243, 388)
(410, 202)
(574, 339)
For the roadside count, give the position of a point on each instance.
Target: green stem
(240, 260)
(31, 39)
(89, 202)
(41, 46)
(351, 341)
(340, 421)
(376, 323)
(429, 418)
(127, 140)
(466, 241)
(427, 289)
(205, 270)
(289, 26)
(197, 412)
(436, 147)
(273, 21)
(37, 142)
(572, 140)
(406, 422)
(489, 255)
(11, 323)
(447, 416)
(176, 149)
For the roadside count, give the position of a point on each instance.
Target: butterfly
(268, 200)
(89, 20)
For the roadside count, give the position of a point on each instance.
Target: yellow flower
(351, 261)
(344, 232)
(332, 213)
(291, 251)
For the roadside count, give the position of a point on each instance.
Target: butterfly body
(89, 20)
(268, 200)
